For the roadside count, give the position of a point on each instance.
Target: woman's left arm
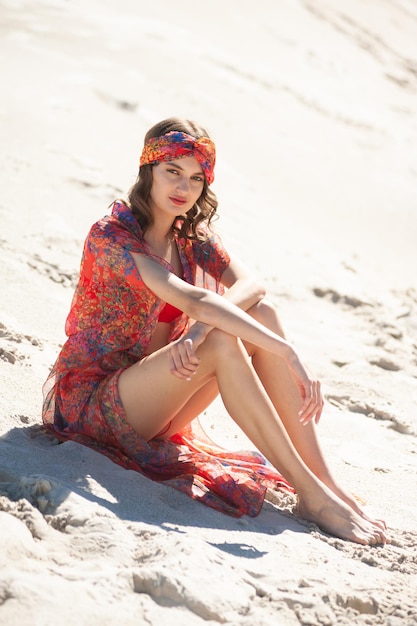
(243, 289)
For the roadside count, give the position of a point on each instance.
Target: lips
(178, 201)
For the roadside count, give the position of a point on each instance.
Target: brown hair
(138, 197)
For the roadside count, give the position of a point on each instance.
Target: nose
(183, 184)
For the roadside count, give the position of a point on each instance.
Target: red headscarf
(175, 145)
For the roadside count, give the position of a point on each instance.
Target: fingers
(183, 360)
(310, 389)
(313, 403)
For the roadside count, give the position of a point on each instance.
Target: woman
(162, 321)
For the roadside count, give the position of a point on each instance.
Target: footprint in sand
(8, 339)
(23, 511)
(370, 410)
(66, 278)
(337, 298)
(386, 364)
(396, 351)
(11, 356)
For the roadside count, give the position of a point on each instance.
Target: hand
(183, 360)
(310, 390)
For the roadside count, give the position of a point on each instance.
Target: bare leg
(224, 358)
(286, 399)
(194, 407)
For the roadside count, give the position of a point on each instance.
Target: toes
(371, 534)
(379, 523)
(375, 538)
(380, 538)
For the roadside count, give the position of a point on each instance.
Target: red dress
(109, 326)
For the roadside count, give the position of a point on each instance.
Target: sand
(313, 109)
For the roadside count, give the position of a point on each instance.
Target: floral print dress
(109, 327)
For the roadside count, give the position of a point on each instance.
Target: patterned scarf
(175, 145)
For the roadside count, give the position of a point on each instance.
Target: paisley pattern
(110, 324)
(175, 145)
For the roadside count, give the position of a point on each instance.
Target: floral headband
(175, 145)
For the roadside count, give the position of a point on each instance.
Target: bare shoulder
(163, 282)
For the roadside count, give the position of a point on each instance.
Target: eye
(172, 171)
(198, 179)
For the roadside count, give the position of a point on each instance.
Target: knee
(220, 339)
(263, 311)
(266, 314)
(219, 343)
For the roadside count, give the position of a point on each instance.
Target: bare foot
(336, 517)
(352, 502)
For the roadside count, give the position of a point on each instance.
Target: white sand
(313, 108)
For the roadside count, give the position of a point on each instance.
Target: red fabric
(169, 313)
(176, 145)
(109, 326)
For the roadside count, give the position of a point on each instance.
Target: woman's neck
(160, 241)
(158, 236)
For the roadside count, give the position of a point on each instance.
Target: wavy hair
(203, 210)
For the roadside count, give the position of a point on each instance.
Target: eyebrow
(200, 172)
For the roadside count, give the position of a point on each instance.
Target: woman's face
(176, 186)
